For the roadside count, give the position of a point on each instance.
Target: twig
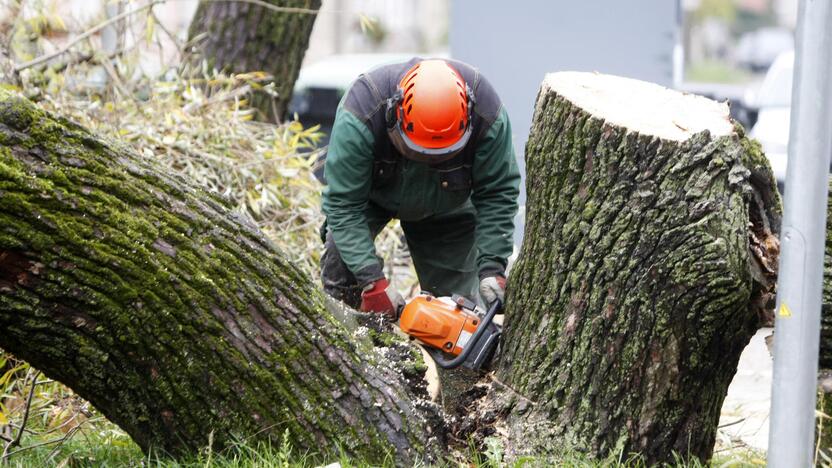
(66, 437)
(733, 447)
(61, 440)
(15, 426)
(825, 458)
(301, 227)
(16, 441)
(193, 153)
(167, 31)
(121, 27)
(731, 423)
(116, 80)
(819, 418)
(66, 423)
(269, 6)
(88, 57)
(39, 406)
(218, 98)
(276, 159)
(84, 35)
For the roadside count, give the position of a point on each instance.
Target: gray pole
(797, 329)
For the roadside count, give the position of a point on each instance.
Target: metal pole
(797, 328)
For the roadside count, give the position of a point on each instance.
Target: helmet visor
(415, 152)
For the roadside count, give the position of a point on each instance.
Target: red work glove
(493, 288)
(380, 297)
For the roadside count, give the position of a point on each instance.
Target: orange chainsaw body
(439, 322)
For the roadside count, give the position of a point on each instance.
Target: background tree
(241, 37)
(648, 258)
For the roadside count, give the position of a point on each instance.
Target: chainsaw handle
(438, 356)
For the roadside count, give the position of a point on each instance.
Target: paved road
(749, 397)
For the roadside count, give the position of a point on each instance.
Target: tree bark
(824, 403)
(175, 317)
(241, 37)
(825, 361)
(647, 264)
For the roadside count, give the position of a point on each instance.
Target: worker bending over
(427, 142)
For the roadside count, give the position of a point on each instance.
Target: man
(427, 142)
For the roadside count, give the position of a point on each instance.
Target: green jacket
(358, 155)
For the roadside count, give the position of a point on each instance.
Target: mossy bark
(824, 405)
(174, 316)
(647, 265)
(825, 361)
(240, 37)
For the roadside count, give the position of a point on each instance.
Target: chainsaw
(452, 330)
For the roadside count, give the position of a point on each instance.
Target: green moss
(634, 285)
(167, 337)
(15, 110)
(753, 157)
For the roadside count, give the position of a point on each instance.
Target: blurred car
(773, 101)
(320, 86)
(757, 50)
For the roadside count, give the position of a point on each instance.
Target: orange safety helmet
(429, 117)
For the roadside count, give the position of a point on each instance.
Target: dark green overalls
(457, 216)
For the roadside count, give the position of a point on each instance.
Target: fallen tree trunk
(177, 319)
(648, 263)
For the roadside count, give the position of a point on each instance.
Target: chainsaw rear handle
(439, 357)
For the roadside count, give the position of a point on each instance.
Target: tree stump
(648, 262)
(824, 403)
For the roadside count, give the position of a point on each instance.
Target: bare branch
(59, 440)
(84, 35)
(70, 433)
(269, 6)
(149, 5)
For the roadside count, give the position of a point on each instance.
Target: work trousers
(442, 248)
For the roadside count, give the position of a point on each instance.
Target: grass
(102, 450)
(86, 447)
(63, 430)
(114, 449)
(264, 455)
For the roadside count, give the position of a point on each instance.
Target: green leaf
(150, 29)
(9, 373)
